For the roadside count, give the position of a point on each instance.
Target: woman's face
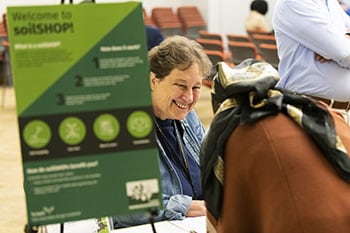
(175, 95)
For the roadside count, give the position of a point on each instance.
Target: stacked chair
(148, 19)
(215, 51)
(211, 41)
(167, 21)
(3, 37)
(251, 33)
(261, 38)
(215, 57)
(241, 50)
(238, 37)
(5, 66)
(3, 44)
(192, 21)
(186, 21)
(213, 45)
(268, 52)
(203, 34)
(266, 47)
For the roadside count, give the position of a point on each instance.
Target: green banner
(84, 111)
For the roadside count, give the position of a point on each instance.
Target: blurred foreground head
(273, 161)
(251, 75)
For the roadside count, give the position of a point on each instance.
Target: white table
(188, 225)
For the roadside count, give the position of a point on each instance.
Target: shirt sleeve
(313, 26)
(177, 206)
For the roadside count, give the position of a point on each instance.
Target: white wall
(227, 16)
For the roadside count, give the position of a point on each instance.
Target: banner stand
(151, 219)
(37, 229)
(153, 212)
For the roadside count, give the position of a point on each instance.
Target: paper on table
(192, 224)
(95, 225)
(188, 225)
(161, 227)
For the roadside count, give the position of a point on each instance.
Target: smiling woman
(177, 67)
(176, 95)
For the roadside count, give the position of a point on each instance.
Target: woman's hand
(321, 59)
(197, 208)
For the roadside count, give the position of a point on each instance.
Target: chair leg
(3, 94)
(7, 77)
(4, 85)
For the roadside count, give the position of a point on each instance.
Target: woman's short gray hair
(178, 52)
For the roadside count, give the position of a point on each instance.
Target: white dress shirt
(306, 27)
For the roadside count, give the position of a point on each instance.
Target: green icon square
(37, 134)
(72, 130)
(106, 127)
(139, 124)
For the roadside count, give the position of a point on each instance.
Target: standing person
(177, 67)
(314, 50)
(256, 20)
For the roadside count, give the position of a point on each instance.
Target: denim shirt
(175, 203)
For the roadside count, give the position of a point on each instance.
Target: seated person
(154, 36)
(256, 20)
(273, 161)
(177, 67)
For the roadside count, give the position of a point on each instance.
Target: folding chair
(238, 37)
(192, 21)
(209, 35)
(167, 21)
(215, 57)
(269, 54)
(211, 44)
(241, 51)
